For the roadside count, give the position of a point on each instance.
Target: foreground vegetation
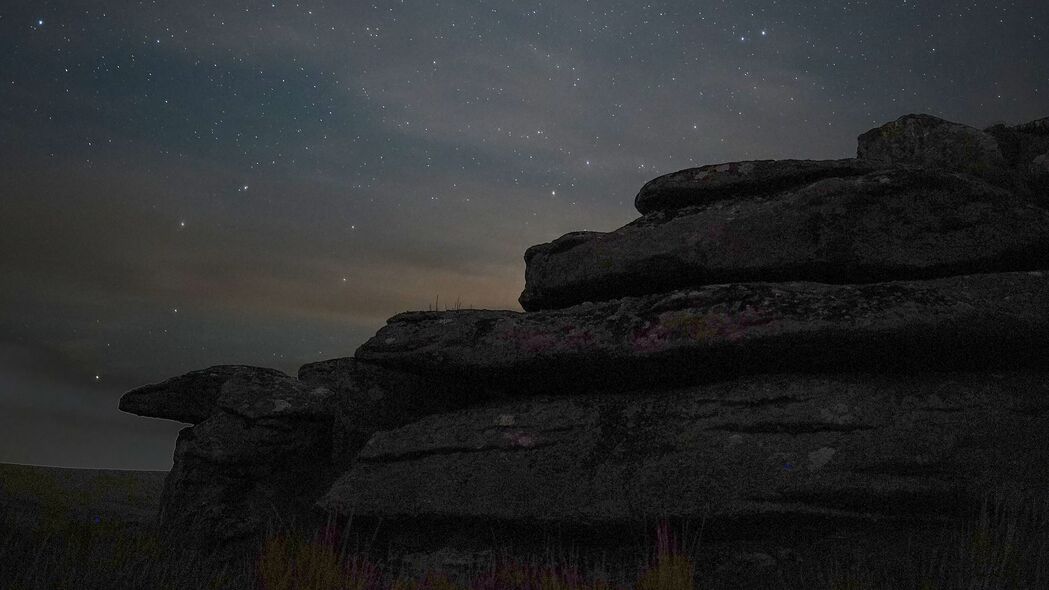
(1007, 546)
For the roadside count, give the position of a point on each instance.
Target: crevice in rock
(890, 503)
(788, 427)
(940, 468)
(780, 401)
(416, 455)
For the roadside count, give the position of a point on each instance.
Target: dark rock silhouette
(188, 398)
(1026, 148)
(855, 446)
(739, 180)
(931, 142)
(368, 398)
(720, 331)
(791, 349)
(264, 452)
(892, 224)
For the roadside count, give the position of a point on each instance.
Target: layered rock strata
(260, 450)
(786, 349)
(732, 180)
(855, 446)
(891, 224)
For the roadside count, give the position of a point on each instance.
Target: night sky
(185, 184)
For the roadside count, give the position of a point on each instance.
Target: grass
(437, 303)
(1006, 546)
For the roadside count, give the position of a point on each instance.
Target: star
(40, 22)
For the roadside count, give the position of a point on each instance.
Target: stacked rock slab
(774, 346)
(891, 224)
(801, 398)
(259, 450)
(1026, 149)
(851, 341)
(265, 446)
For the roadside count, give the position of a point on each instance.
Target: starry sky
(192, 183)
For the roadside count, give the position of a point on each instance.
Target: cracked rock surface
(894, 224)
(796, 353)
(723, 331)
(768, 443)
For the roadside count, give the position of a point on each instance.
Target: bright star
(40, 23)
(763, 33)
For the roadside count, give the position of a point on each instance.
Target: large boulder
(754, 457)
(785, 349)
(265, 445)
(1039, 168)
(892, 224)
(191, 397)
(1020, 144)
(710, 332)
(262, 456)
(367, 398)
(1026, 148)
(738, 180)
(932, 142)
(1036, 127)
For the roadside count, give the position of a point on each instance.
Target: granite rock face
(720, 331)
(368, 398)
(1000, 154)
(1039, 168)
(795, 351)
(262, 452)
(1021, 144)
(888, 225)
(732, 180)
(265, 445)
(931, 142)
(1036, 127)
(848, 446)
(191, 397)
(762, 461)
(1026, 148)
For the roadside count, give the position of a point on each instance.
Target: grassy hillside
(89, 534)
(51, 497)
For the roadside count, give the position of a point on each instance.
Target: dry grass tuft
(1007, 546)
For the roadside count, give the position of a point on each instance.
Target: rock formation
(735, 180)
(260, 449)
(890, 224)
(931, 142)
(782, 348)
